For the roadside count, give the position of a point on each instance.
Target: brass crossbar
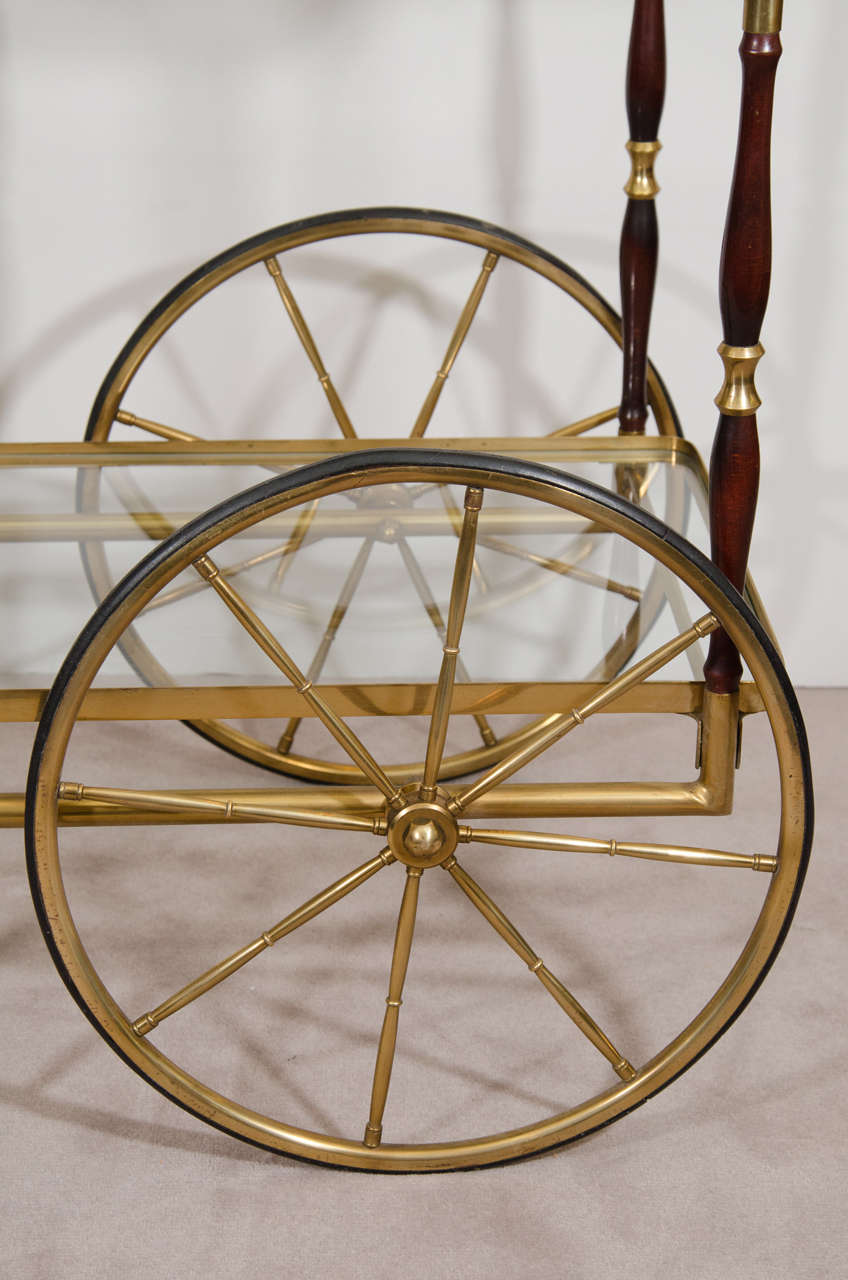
(260, 701)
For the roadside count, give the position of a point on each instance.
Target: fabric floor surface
(735, 1171)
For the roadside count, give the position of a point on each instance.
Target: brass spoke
(671, 586)
(199, 986)
(295, 542)
(584, 424)
(459, 335)
(233, 570)
(138, 506)
(308, 343)
(450, 649)
(522, 948)
(456, 520)
(155, 428)
(348, 590)
(681, 615)
(434, 614)
(558, 725)
(620, 848)
(227, 810)
(568, 569)
(648, 479)
(269, 645)
(388, 1033)
(140, 503)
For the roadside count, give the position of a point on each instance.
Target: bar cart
(402, 644)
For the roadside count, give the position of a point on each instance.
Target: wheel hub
(423, 833)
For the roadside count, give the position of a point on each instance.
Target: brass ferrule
(206, 568)
(762, 17)
(738, 395)
(373, 1135)
(642, 185)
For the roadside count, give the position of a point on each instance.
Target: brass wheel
(612, 1030)
(474, 281)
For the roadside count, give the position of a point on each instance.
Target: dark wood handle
(734, 480)
(744, 279)
(638, 271)
(745, 272)
(644, 94)
(645, 85)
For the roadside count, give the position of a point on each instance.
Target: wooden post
(744, 279)
(639, 239)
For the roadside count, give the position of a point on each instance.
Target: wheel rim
(495, 475)
(229, 266)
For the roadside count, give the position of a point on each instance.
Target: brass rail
(261, 701)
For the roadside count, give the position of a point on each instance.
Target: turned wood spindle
(744, 278)
(645, 92)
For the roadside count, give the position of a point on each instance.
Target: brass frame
(269, 249)
(420, 819)
(784, 868)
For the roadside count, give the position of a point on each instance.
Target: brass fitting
(738, 395)
(642, 185)
(762, 17)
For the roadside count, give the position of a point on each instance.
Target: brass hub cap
(423, 833)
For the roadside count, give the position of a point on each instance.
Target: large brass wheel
(174, 977)
(309, 297)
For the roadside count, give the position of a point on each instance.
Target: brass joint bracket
(642, 185)
(718, 748)
(738, 395)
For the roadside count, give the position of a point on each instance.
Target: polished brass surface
(187, 702)
(584, 424)
(450, 649)
(388, 1033)
(762, 17)
(225, 968)
(283, 555)
(155, 428)
(516, 800)
(459, 335)
(719, 736)
(218, 809)
(710, 792)
(563, 997)
(342, 605)
(433, 225)
(279, 554)
(622, 848)
(567, 570)
(308, 342)
(271, 646)
(419, 832)
(642, 185)
(424, 832)
(433, 612)
(456, 520)
(277, 454)
(738, 395)
(142, 526)
(269, 253)
(558, 725)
